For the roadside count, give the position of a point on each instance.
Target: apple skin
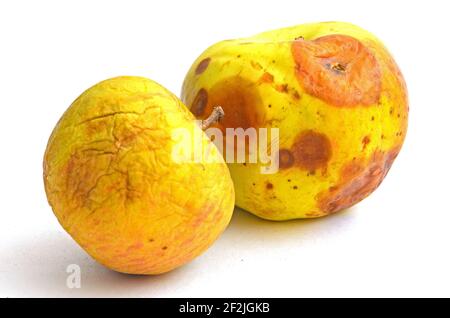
(337, 97)
(111, 180)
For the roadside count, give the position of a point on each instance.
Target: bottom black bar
(222, 307)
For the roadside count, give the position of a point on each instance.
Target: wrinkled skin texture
(111, 181)
(338, 99)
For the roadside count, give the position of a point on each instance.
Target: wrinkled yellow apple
(112, 182)
(335, 94)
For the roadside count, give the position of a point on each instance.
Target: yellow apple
(337, 98)
(114, 185)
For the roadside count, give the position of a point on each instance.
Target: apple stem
(216, 115)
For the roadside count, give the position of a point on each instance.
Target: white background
(395, 243)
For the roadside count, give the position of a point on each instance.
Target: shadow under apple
(39, 263)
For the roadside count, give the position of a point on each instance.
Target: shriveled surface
(113, 185)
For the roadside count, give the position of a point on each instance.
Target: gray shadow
(37, 268)
(245, 226)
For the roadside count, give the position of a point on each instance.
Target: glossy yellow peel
(337, 97)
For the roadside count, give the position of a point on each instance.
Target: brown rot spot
(240, 101)
(199, 104)
(266, 78)
(358, 179)
(338, 69)
(202, 66)
(83, 171)
(269, 186)
(390, 157)
(286, 159)
(365, 141)
(312, 150)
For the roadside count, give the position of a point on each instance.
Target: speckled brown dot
(286, 159)
(365, 141)
(266, 78)
(282, 88)
(295, 94)
(269, 186)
